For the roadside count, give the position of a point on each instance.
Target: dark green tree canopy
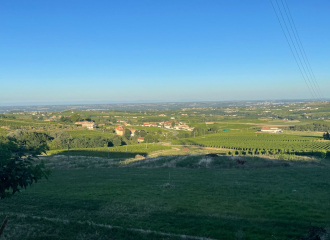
(18, 168)
(127, 133)
(75, 117)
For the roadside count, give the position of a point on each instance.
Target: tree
(65, 119)
(116, 142)
(61, 139)
(214, 129)
(75, 117)
(88, 118)
(30, 141)
(197, 131)
(18, 169)
(17, 166)
(326, 136)
(127, 133)
(20, 172)
(143, 133)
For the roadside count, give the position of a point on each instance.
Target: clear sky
(157, 50)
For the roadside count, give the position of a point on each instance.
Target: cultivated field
(259, 143)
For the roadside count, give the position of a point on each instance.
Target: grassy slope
(218, 203)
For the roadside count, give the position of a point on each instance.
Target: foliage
(141, 133)
(116, 141)
(17, 167)
(64, 119)
(75, 117)
(30, 141)
(318, 127)
(326, 136)
(127, 133)
(61, 139)
(149, 138)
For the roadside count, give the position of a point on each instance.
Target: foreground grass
(259, 202)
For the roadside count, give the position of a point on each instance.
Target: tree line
(61, 140)
(316, 127)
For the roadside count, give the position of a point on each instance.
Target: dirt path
(146, 231)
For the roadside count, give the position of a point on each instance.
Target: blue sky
(164, 50)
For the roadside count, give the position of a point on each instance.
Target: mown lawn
(257, 203)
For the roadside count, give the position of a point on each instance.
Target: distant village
(120, 130)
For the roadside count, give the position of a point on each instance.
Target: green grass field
(217, 198)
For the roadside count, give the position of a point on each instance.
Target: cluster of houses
(120, 131)
(168, 125)
(52, 118)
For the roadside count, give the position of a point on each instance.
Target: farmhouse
(271, 130)
(140, 139)
(87, 124)
(119, 130)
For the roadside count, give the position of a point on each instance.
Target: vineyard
(256, 143)
(126, 151)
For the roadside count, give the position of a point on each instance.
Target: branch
(4, 225)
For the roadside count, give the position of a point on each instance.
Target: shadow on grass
(103, 154)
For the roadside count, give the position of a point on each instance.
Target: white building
(271, 130)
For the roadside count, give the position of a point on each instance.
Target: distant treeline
(7, 116)
(317, 127)
(61, 140)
